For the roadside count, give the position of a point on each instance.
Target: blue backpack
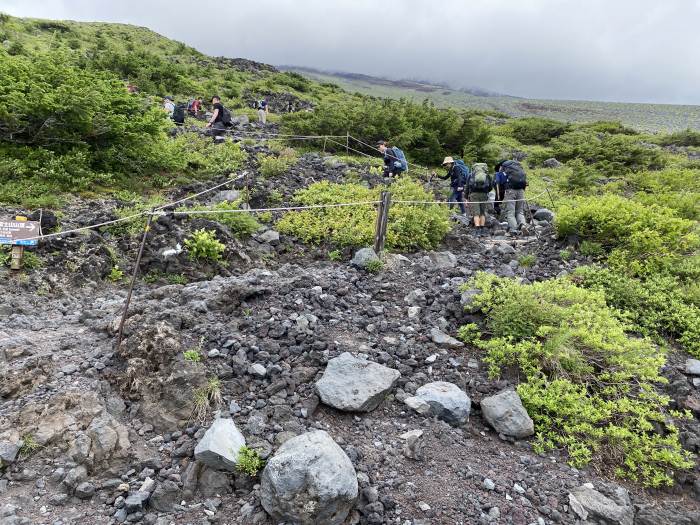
(400, 161)
(463, 171)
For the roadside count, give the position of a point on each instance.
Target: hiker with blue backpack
(395, 162)
(514, 197)
(458, 173)
(479, 184)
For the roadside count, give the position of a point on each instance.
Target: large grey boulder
(166, 496)
(543, 214)
(363, 256)
(220, 444)
(226, 196)
(466, 299)
(445, 400)
(355, 385)
(441, 338)
(442, 260)
(507, 415)
(310, 481)
(552, 163)
(692, 367)
(9, 452)
(594, 507)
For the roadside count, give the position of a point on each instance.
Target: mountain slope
(648, 117)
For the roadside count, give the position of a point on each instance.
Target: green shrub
(673, 188)
(565, 255)
(588, 386)
(591, 249)
(197, 154)
(203, 244)
(527, 260)
(641, 239)
(249, 461)
(409, 227)
(659, 306)
(535, 130)
(688, 137)
(242, 224)
(271, 166)
(425, 133)
(192, 355)
(612, 155)
(335, 255)
(374, 266)
(115, 274)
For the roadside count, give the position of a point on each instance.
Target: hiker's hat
(448, 160)
(381, 143)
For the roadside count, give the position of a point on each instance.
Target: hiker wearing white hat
(457, 172)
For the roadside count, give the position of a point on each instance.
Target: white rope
(131, 217)
(289, 208)
(467, 202)
(380, 151)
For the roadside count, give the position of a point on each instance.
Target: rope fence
(159, 210)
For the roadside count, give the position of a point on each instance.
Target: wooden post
(133, 280)
(347, 143)
(325, 139)
(382, 220)
(16, 260)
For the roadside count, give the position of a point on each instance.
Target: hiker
(169, 106)
(499, 180)
(514, 196)
(221, 118)
(394, 159)
(263, 111)
(195, 106)
(457, 172)
(479, 184)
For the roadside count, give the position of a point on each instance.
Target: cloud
(627, 50)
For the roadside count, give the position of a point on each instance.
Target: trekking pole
(133, 280)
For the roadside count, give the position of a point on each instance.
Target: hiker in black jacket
(457, 172)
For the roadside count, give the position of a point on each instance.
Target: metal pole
(133, 281)
(382, 221)
(550, 196)
(347, 143)
(532, 220)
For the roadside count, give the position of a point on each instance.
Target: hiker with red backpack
(514, 197)
(479, 184)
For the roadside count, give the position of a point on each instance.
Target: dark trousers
(459, 197)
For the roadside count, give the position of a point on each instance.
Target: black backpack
(179, 114)
(226, 117)
(515, 175)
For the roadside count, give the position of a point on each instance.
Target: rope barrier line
(468, 202)
(380, 151)
(258, 210)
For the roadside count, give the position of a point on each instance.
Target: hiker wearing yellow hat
(457, 172)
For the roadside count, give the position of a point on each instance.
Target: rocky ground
(94, 434)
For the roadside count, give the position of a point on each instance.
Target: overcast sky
(615, 50)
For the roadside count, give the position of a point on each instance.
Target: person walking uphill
(479, 184)
(394, 160)
(514, 197)
(457, 172)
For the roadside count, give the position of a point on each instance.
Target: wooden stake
(382, 221)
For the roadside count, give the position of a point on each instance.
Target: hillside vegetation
(588, 347)
(648, 117)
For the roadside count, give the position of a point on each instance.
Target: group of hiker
(474, 186)
(219, 118)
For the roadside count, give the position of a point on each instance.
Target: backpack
(400, 161)
(515, 175)
(480, 181)
(179, 114)
(463, 170)
(226, 117)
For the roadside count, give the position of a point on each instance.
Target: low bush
(612, 155)
(535, 130)
(241, 224)
(409, 227)
(659, 306)
(271, 166)
(640, 239)
(249, 461)
(688, 137)
(203, 244)
(588, 386)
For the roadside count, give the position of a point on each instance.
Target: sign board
(19, 232)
